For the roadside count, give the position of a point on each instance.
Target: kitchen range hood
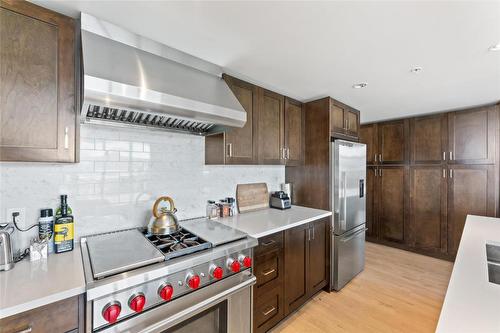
(130, 80)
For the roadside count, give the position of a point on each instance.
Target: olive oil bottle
(63, 227)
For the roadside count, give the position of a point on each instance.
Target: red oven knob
(233, 265)
(246, 261)
(111, 312)
(216, 272)
(166, 291)
(137, 302)
(193, 281)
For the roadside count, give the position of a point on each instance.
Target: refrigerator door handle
(343, 221)
(353, 235)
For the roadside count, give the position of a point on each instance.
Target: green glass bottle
(64, 227)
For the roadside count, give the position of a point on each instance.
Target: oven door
(224, 306)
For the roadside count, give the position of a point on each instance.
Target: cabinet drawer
(267, 269)
(61, 316)
(269, 243)
(268, 310)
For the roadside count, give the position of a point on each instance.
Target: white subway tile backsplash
(120, 174)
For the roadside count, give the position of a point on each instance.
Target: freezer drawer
(348, 256)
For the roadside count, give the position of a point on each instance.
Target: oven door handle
(198, 307)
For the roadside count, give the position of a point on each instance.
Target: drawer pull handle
(26, 330)
(265, 313)
(268, 272)
(269, 243)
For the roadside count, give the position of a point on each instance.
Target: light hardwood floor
(398, 291)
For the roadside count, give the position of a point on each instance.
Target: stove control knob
(233, 265)
(193, 281)
(245, 261)
(137, 302)
(216, 272)
(111, 312)
(166, 291)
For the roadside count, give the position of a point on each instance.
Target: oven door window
(212, 320)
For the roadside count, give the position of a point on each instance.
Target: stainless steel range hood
(130, 80)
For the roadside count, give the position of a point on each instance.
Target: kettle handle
(157, 202)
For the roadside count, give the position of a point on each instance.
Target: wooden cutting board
(252, 197)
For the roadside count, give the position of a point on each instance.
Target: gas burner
(178, 244)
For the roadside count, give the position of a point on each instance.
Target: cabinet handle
(26, 330)
(380, 158)
(265, 313)
(229, 149)
(375, 157)
(308, 234)
(313, 232)
(451, 155)
(444, 173)
(269, 243)
(380, 172)
(66, 142)
(444, 156)
(451, 173)
(268, 272)
(287, 153)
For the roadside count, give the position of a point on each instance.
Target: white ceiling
(312, 49)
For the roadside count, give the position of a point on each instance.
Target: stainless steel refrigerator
(348, 195)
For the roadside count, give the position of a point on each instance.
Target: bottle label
(63, 232)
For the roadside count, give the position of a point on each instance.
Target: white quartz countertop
(472, 303)
(32, 284)
(267, 221)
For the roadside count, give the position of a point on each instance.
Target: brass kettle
(163, 221)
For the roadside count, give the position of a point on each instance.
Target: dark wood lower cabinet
(471, 190)
(391, 203)
(61, 316)
(371, 202)
(296, 258)
(427, 220)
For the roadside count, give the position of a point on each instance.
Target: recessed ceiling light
(416, 69)
(360, 85)
(494, 47)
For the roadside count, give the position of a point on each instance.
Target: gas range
(137, 281)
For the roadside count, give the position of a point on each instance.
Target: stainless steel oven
(221, 307)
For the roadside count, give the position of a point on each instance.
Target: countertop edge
(17, 309)
(289, 226)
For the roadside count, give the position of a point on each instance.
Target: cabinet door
(352, 122)
(472, 136)
(428, 208)
(318, 255)
(239, 142)
(472, 189)
(371, 211)
(37, 91)
(270, 128)
(391, 203)
(428, 139)
(296, 258)
(293, 132)
(368, 136)
(392, 142)
(337, 120)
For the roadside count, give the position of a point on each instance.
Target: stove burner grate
(178, 244)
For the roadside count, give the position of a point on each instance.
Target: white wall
(120, 174)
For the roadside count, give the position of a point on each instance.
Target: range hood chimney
(130, 80)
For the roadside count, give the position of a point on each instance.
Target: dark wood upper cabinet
(296, 264)
(428, 139)
(368, 136)
(428, 194)
(38, 117)
(344, 120)
(472, 136)
(371, 201)
(391, 203)
(270, 131)
(294, 132)
(471, 190)
(392, 142)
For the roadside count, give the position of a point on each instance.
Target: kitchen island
(472, 302)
